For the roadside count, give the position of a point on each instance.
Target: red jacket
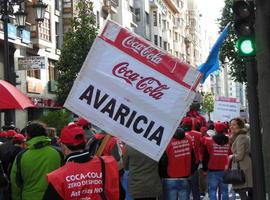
(84, 180)
(196, 142)
(218, 154)
(179, 157)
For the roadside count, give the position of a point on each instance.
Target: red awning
(12, 98)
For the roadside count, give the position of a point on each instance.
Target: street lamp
(7, 9)
(20, 18)
(40, 8)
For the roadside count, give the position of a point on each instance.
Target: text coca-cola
(148, 85)
(150, 53)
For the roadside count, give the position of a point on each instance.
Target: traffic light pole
(255, 130)
(263, 59)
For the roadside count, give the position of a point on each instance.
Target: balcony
(173, 6)
(159, 4)
(41, 37)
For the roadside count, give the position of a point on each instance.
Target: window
(155, 18)
(160, 41)
(52, 71)
(159, 19)
(56, 4)
(98, 20)
(45, 30)
(147, 18)
(163, 24)
(175, 36)
(155, 39)
(165, 46)
(35, 73)
(57, 36)
(138, 14)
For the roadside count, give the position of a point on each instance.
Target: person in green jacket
(28, 173)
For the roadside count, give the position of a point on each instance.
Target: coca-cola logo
(146, 51)
(148, 85)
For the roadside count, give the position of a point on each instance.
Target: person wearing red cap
(187, 124)
(8, 153)
(87, 127)
(216, 156)
(10, 149)
(11, 133)
(83, 176)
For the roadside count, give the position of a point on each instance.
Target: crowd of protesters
(82, 162)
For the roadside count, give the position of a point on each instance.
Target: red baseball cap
(11, 133)
(3, 134)
(186, 121)
(19, 137)
(219, 127)
(82, 122)
(72, 134)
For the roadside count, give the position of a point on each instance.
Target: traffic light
(244, 20)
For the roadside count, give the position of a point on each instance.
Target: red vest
(179, 157)
(196, 142)
(76, 181)
(218, 155)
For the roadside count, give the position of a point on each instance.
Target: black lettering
(87, 94)
(157, 135)
(146, 133)
(109, 108)
(135, 125)
(133, 114)
(122, 111)
(98, 101)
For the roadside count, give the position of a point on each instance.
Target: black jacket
(8, 153)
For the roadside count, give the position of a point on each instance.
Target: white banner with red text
(133, 90)
(226, 108)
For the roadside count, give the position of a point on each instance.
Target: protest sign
(133, 90)
(226, 108)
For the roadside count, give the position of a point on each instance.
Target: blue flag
(212, 62)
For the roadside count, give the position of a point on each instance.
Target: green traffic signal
(246, 46)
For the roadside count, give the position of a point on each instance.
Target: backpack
(4, 182)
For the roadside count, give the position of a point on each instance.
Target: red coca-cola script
(144, 50)
(148, 85)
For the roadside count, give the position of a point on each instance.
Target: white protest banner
(133, 90)
(226, 108)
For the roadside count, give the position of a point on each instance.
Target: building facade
(172, 25)
(33, 53)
